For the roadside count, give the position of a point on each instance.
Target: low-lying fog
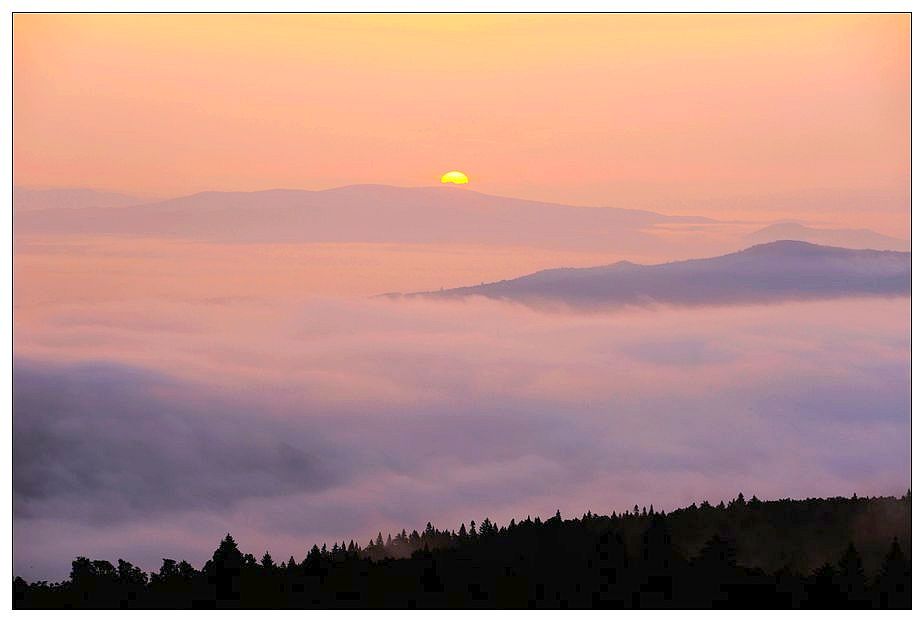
(168, 392)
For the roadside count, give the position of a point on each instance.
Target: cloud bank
(332, 418)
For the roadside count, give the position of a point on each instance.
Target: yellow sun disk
(454, 177)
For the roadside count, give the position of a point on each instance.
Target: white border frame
(345, 6)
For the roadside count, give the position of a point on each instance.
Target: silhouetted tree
(851, 577)
(688, 558)
(224, 572)
(894, 580)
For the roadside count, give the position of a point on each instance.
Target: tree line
(813, 553)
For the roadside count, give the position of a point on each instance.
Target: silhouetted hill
(778, 271)
(816, 553)
(363, 213)
(34, 199)
(846, 238)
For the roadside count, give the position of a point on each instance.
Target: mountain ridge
(843, 237)
(406, 190)
(378, 213)
(363, 213)
(781, 270)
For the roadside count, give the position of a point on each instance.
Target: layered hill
(364, 213)
(847, 238)
(778, 271)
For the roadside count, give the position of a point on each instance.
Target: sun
(454, 177)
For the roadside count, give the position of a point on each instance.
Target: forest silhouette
(744, 554)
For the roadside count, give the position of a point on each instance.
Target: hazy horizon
(809, 114)
(199, 346)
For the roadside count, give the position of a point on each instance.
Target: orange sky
(733, 116)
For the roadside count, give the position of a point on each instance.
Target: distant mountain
(847, 238)
(785, 270)
(32, 199)
(363, 214)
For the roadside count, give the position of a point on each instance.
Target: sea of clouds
(156, 428)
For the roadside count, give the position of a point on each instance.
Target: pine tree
(894, 580)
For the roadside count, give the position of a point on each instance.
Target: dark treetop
(827, 553)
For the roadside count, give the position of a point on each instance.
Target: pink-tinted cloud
(335, 418)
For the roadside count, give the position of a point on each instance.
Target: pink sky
(751, 116)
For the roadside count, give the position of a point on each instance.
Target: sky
(733, 116)
(223, 362)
